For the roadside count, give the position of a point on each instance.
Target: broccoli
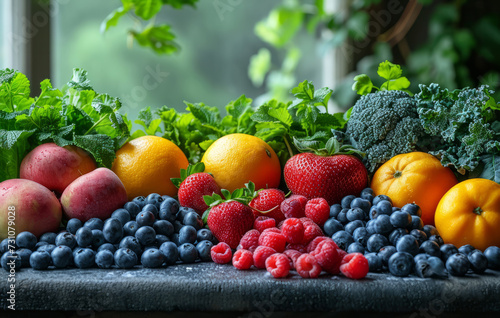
(384, 124)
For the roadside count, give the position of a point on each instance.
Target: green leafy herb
(392, 73)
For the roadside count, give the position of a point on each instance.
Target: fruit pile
(154, 231)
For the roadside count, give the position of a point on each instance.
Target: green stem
(290, 151)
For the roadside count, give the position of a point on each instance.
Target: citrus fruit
(415, 177)
(146, 164)
(236, 159)
(469, 213)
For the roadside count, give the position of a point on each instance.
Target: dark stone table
(211, 287)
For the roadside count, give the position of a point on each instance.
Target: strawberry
(267, 203)
(229, 221)
(327, 176)
(193, 185)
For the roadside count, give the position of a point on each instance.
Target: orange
(236, 159)
(146, 164)
(470, 214)
(415, 177)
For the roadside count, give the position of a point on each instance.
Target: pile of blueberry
(153, 231)
(395, 239)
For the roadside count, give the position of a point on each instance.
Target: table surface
(212, 287)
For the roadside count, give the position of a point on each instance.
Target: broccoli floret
(384, 124)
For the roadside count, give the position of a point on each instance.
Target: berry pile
(154, 231)
(396, 240)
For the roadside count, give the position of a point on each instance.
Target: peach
(27, 206)
(94, 195)
(56, 167)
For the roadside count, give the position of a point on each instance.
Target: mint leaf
(389, 71)
(102, 147)
(362, 84)
(113, 18)
(159, 38)
(401, 83)
(146, 9)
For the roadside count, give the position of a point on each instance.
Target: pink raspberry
(327, 256)
(273, 239)
(280, 225)
(311, 231)
(243, 259)
(249, 241)
(354, 266)
(293, 230)
(272, 229)
(294, 206)
(293, 255)
(263, 222)
(261, 254)
(278, 265)
(221, 253)
(298, 247)
(307, 266)
(312, 245)
(318, 210)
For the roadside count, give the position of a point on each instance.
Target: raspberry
(249, 241)
(272, 229)
(307, 266)
(280, 225)
(243, 259)
(261, 254)
(221, 253)
(293, 255)
(312, 245)
(318, 210)
(277, 241)
(354, 266)
(278, 265)
(327, 256)
(298, 247)
(293, 230)
(311, 231)
(263, 222)
(294, 206)
(341, 253)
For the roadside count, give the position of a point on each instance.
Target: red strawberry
(268, 200)
(329, 177)
(194, 187)
(229, 221)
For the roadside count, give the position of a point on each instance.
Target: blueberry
(155, 199)
(346, 201)
(41, 244)
(183, 211)
(132, 208)
(25, 254)
(187, 234)
(169, 209)
(362, 204)
(375, 211)
(73, 225)
(367, 194)
(175, 239)
(370, 227)
(335, 210)
(140, 201)
(48, 237)
(177, 226)
(40, 260)
(125, 258)
(367, 191)
(130, 228)
(130, 242)
(193, 219)
(122, 215)
(412, 209)
(419, 235)
(113, 230)
(46, 248)
(204, 247)
(170, 251)
(384, 207)
(84, 237)
(416, 223)
(342, 216)
(396, 235)
(165, 197)
(447, 250)
(401, 264)
(342, 239)
(84, 258)
(97, 238)
(385, 253)
(421, 256)
(152, 258)
(361, 235)
(492, 253)
(11, 261)
(163, 227)
(188, 253)
(160, 239)
(478, 262)
(76, 250)
(146, 235)
(457, 264)
(376, 242)
(62, 256)
(436, 238)
(107, 247)
(430, 248)
(383, 224)
(66, 238)
(205, 235)
(351, 226)
(374, 262)
(151, 208)
(104, 259)
(94, 224)
(145, 218)
(355, 214)
(409, 244)
(395, 209)
(466, 249)
(400, 219)
(430, 230)
(26, 240)
(380, 198)
(437, 266)
(423, 269)
(355, 248)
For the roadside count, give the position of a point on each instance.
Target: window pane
(212, 66)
